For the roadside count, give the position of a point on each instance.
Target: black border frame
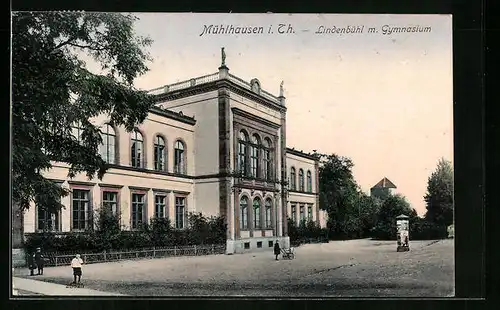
(469, 140)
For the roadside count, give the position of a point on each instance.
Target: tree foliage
(439, 196)
(52, 90)
(351, 213)
(391, 207)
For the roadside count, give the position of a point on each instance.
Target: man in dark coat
(277, 249)
(31, 264)
(39, 260)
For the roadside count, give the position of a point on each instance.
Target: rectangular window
(254, 162)
(110, 201)
(242, 158)
(309, 213)
(270, 244)
(80, 206)
(180, 209)
(138, 204)
(47, 221)
(302, 214)
(294, 213)
(247, 245)
(160, 206)
(259, 244)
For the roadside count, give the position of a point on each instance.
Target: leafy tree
(439, 197)
(338, 192)
(391, 207)
(368, 208)
(52, 90)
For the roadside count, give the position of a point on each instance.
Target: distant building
(382, 189)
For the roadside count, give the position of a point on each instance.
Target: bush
(421, 229)
(306, 232)
(108, 235)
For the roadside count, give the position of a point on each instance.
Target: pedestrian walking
(39, 260)
(31, 264)
(277, 249)
(76, 264)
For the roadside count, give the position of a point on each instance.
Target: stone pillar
(284, 197)
(316, 171)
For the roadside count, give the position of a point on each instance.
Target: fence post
(55, 260)
(213, 249)
(84, 258)
(195, 253)
(175, 250)
(154, 252)
(136, 254)
(104, 255)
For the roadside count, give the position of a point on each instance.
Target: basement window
(246, 245)
(259, 244)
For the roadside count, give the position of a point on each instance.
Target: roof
(384, 183)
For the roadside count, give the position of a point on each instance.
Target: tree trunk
(17, 227)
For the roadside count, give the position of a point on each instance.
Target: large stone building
(215, 144)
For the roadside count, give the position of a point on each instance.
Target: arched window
(243, 213)
(179, 157)
(137, 148)
(160, 154)
(309, 181)
(293, 184)
(256, 213)
(267, 218)
(242, 153)
(254, 156)
(301, 180)
(108, 146)
(267, 159)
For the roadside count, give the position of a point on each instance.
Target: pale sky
(385, 101)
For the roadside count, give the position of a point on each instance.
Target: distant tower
(382, 189)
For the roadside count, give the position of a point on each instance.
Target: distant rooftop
(384, 183)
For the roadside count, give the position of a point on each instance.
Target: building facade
(214, 144)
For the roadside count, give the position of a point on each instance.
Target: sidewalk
(46, 288)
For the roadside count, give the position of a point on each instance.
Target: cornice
(215, 85)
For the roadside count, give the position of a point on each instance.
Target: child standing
(39, 260)
(76, 264)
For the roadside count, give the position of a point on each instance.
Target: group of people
(37, 261)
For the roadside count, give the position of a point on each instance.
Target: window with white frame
(137, 149)
(293, 178)
(47, 221)
(108, 146)
(138, 210)
(254, 156)
(180, 212)
(256, 213)
(110, 201)
(179, 157)
(243, 213)
(309, 181)
(160, 154)
(77, 131)
(267, 159)
(309, 213)
(301, 180)
(294, 213)
(242, 153)
(302, 214)
(268, 218)
(160, 203)
(81, 209)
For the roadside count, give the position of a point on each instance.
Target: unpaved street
(339, 268)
